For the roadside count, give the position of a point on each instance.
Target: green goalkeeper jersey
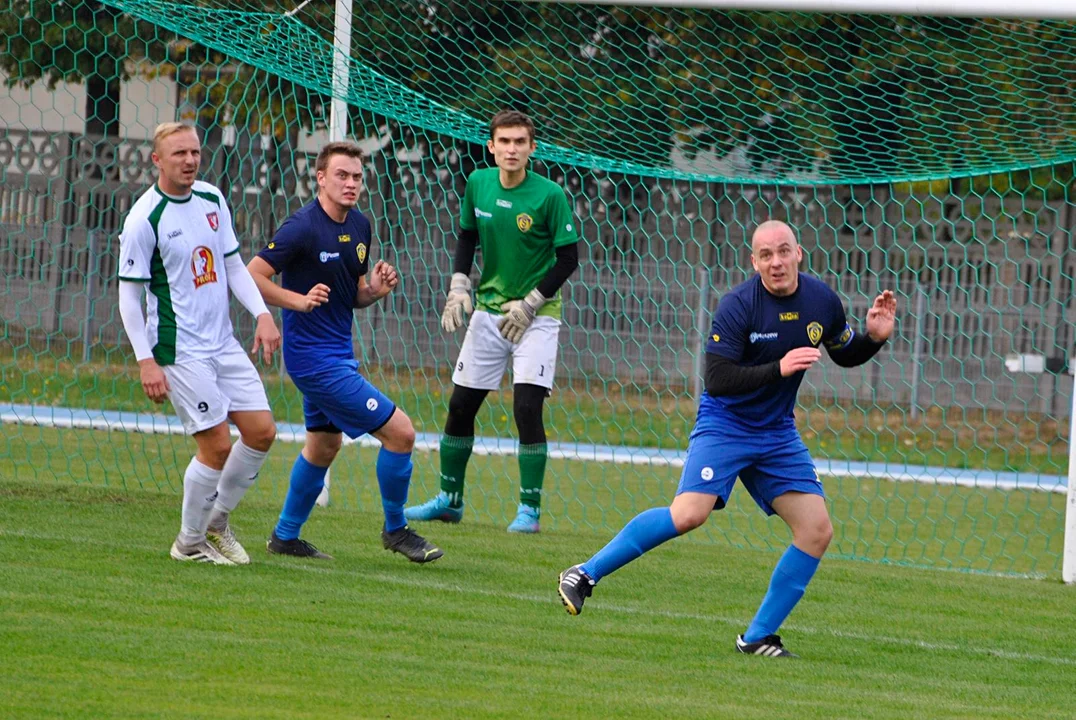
(518, 229)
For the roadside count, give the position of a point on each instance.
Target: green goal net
(930, 156)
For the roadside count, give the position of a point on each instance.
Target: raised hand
(882, 316)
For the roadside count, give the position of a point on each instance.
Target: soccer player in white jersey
(178, 244)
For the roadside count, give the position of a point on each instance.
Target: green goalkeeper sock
(531, 474)
(455, 452)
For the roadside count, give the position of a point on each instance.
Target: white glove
(458, 305)
(518, 315)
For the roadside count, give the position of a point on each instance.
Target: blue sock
(307, 480)
(643, 533)
(794, 570)
(394, 477)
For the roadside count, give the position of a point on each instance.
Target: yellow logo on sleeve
(360, 250)
(716, 337)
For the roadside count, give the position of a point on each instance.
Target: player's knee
(464, 403)
(688, 516)
(261, 437)
(399, 435)
(321, 448)
(216, 453)
(527, 409)
(815, 537)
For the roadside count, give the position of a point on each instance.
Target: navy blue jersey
(753, 327)
(311, 248)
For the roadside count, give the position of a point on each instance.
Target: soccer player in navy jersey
(323, 254)
(765, 336)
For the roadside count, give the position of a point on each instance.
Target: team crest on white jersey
(202, 266)
(214, 220)
(524, 222)
(360, 250)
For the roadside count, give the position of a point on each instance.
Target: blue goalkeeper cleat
(436, 509)
(526, 520)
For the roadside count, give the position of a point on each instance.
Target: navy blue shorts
(769, 463)
(338, 398)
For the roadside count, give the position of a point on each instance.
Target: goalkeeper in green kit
(529, 244)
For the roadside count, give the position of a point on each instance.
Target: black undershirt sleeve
(857, 352)
(567, 262)
(724, 377)
(466, 242)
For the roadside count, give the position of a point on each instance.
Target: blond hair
(169, 128)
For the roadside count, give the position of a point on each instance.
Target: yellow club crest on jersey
(360, 250)
(814, 332)
(716, 337)
(524, 222)
(343, 238)
(272, 245)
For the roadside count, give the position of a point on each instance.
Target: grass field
(604, 414)
(96, 621)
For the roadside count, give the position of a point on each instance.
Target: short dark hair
(338, 147)
(511, 118)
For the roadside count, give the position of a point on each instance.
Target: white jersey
(178, 248)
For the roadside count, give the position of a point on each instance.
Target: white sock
(239, 473)
(199, 492)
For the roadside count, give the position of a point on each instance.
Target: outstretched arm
(881, 318)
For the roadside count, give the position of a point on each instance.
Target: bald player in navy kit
(765, 335)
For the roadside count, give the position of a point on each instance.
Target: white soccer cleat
(223, 539)
(201, 552)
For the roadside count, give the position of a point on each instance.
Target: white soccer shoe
(201, 552)
(223, 539)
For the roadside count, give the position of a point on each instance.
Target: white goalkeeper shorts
(484, 355)
(203, 392)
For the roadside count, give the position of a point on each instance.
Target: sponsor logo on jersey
(482, 213)
(524, 222)
(504, 203)
(361, 252)
(214, 220)
(814, 332)
(762, 337)
(788, 317)
(327, 256)
(344, 238)
(202, 266)
(174, 234)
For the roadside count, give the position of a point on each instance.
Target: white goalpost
(1044, 9)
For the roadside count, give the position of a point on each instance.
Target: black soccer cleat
(296, 548)
(769, 646)
(574, 588)
(411, 545)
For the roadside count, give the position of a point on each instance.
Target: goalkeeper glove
(518, 315)
(458, 304)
